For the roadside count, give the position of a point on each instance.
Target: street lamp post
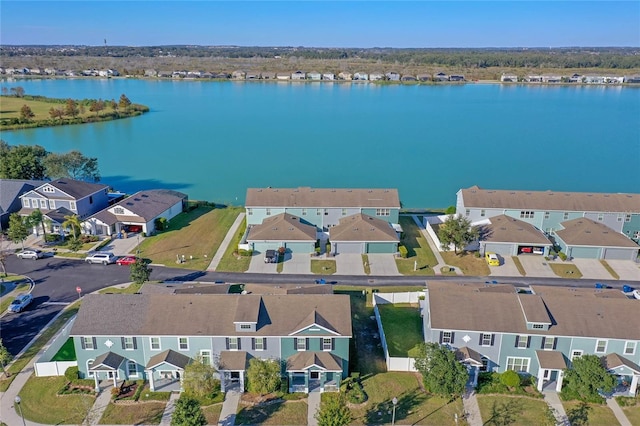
(393, 417)
(17, 400)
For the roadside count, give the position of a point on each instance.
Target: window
(89, 343)
(627, 218)
(249, 212)
(327, 343)
(52, 204)
(206, 357)
(301, 344)
(486, 339)
(326, 212)
(89, 367)
(526, 214)
(518, 364)
(245, 326)
(90, 199)
(132, 368)
(154, 343)
(485, 364)
(43, 204)
(483, 213)
(538, 326)
(636, 235)
(600, 217)
(259, 344)
(522, 342)
(318, 212)
(25, 202)
(629, 348)
(565, 216)
(383, 212)
(576, 354)
(48, 189)
(447, 337)
(548, 343)
(344, 212)
(467, 212)
(233, 344)
(183, 343)
(72, 205)
(128, 343)
(620, 217)
(547, 215)
(601, 346)
(268, 212)
(304, 212)
(118, 210)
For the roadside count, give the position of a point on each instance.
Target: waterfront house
(62, 198)
(392, 76)
(150, 73)
(613, 79)
(551, 78)
(283, 76)
(328, 76)
(137, 213)
(282, 230)
(424, 77)
(268, 75)
(632, 79)
(509, 78)
(238, 75)
(165, 74)
(308, 334)
(360, 76)
(456, 77)
(361, 233)
(314, 75)
(535, 330)
(345, 76)
(586, 238)
(10, 192)
(575, 78)
(375, 76)
(408, 77)
(222, 75)
(547, 210)
(298, 75)
(534, 79)
(440, 77)
(252, 75)
(508, 236)
(593, 79)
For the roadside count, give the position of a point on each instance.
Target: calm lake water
(212, 140)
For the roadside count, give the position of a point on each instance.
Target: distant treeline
(609, 57)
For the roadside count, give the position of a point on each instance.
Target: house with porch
(10, 192)
(64, 197)
(137, 213)
(547, 210)
(155, 336)
(535, 330)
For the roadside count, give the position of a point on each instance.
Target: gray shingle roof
(204, 314)
(107, 361)
(233, 361)
(505, 229)
(282, 227)
(550, 200)
(586, 232)
(361, 227)
(11, 189)
(151, 203)
(77, 189)
(551, 359)
(303, 360)
(170, 357)
(322, 197)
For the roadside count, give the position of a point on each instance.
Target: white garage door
(619, 254)
(349, 248)
(503, 249)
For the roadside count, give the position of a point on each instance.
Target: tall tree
(22, 161)
(587, 376)
(72, 165)
(333, 411)
(97, 106)
(441, 373)
(17, 91)
(140, 271)
(71, 108)
(73, 222)
(457, 230)
(26, 114)
(18, 229)
(188, 413)
(56, 113)
(5, 357)
(124, 103)
(263, 375)
(199, 379)
(35, 219)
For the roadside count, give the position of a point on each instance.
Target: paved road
(57, 278)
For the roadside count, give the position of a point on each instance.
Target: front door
(547, 374)
(315, 375)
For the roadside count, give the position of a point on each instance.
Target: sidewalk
(225, 243)
(553, 401)
(617, 411)
(229, 408)
(313, 401)
(100, 405)
(168, 410)
(441, 263)
(471, 408)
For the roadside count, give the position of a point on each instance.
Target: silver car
(104, 258)
(32, 254)
(20, 302)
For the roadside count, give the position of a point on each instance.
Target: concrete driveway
(627, 269)
(383, 264)
(349, 264)
(592, 268)
(536, 266)
(296, 263)
(257, 264)
(124, 246)
(507, 268)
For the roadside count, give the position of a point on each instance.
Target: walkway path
(225, 243)
(168, 410)
(229, 408)
(617, 411)
(313, 401)
(100, 405)
(471, 408)
(441, 263)
(553, 401)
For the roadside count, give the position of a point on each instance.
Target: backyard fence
(44, 366)
(393, 298)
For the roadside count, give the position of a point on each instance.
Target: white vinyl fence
(43, 366)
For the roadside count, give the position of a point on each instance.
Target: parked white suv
(30, 254)
(104, 258)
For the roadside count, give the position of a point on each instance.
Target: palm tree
(37, 218)
(73, 222)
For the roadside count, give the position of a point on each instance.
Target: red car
(127, 260)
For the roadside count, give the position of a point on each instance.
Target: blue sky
(323, 23)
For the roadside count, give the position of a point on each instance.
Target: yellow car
(492, 259)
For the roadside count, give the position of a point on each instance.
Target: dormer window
(245, 326)
(48, 189)
(538, 326)
(26, 203)
(118, 210)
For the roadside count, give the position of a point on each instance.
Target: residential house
(328, 76)
(314, 75)
(308, 334)
(283, 76)
(456, 77)
(440, 77)
(593, 79)
(10, 192)
(613, 79)
(150, 73)
(509, 78)
(392, 76)
(408, 77)
(551, 78)
(632, 79)
(536, 330)
(509, 236)
(268, 75)
(298, 75)
(64, 197)
(361, 233)
(345, 76)
(282, 230)
(360, 76)
(137, 212)
(575, 78)
(586, 238)
(323, 209)
(534, 79)
(546, 210)
(375, 76)
(424, 77)
(238, 75)
(252, 76)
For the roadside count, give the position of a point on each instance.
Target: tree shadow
(258, 413)
(579, 416)
(504, 413)
(382, 412)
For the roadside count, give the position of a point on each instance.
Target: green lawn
(402, 327)
(279, 413)
(565, 270)
(196, 235)
(212, 413)
(516, 261)
(67, 352)
(633, 414)
(467, 262)
(148, 413)
(323, 267)
(525, 411)
(415, 407)
(418, 250)
(593, 414)
(231, 261)
(40, 403)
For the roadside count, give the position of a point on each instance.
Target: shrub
(404, 253)
(510, 378)
(72, 374)
(245, 253)
(51, 238)
(562, 256)
(284, 384)
(354, 392)
(161, 223)
(450, 210)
